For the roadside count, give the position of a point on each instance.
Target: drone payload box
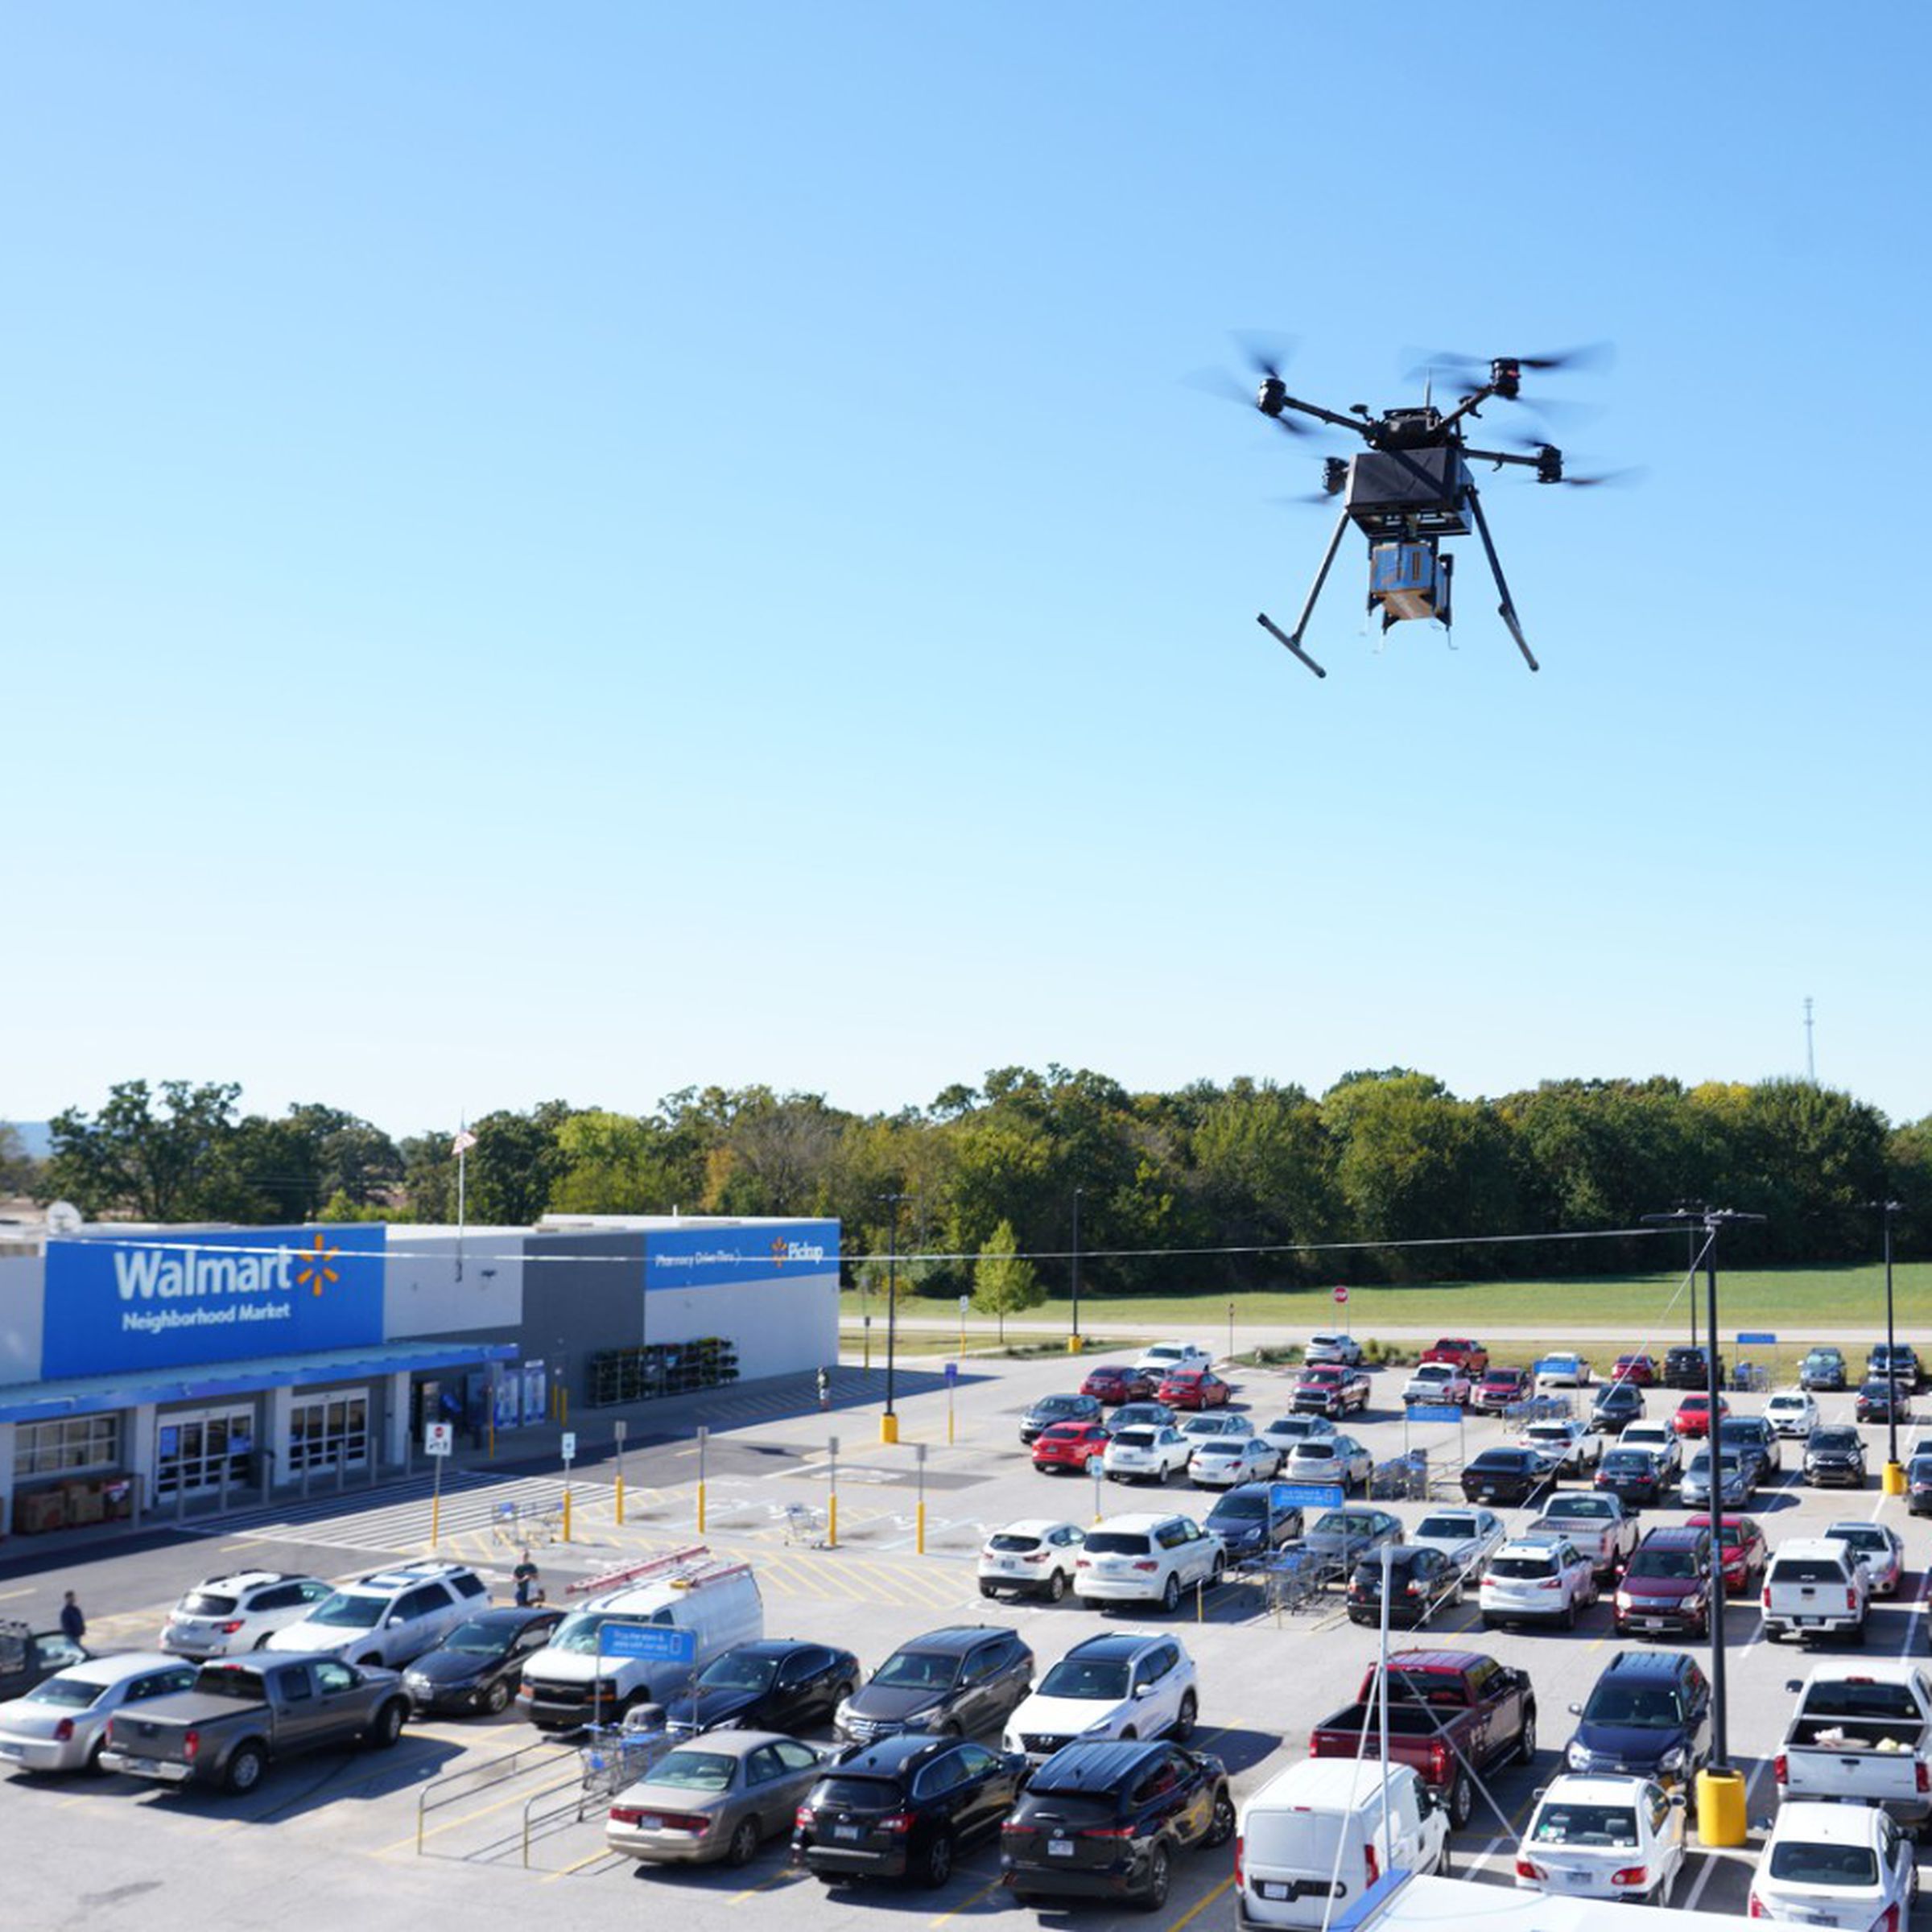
(1408, 493)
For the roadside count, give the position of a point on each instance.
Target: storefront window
(192, 1451)
(329, 1431)
(69, 1446)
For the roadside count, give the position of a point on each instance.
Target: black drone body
(1408, 489)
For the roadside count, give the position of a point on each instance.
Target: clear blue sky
(575, 551)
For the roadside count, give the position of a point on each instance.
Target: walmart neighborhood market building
(142, 1369)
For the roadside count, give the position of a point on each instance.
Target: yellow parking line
(597, 1858)
(1188, 1918)
(785, 1875)
(966, 1904)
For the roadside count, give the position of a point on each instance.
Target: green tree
(1264, 1171)
(1004, 1282)
(19, 1171)
(614, 1163)
(154, 1163)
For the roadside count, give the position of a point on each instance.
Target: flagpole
(462, 1184)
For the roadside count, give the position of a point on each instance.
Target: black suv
(1690, 1368)
(967, 1678)
(1649, 1716)
(900, 1809)
(1617, 1405)
(1104, 1821)
(1836, 1455)
(480, 1663)
(1900, 1361)
(1051, 1409)
(776, 1684)
(1422, 1581)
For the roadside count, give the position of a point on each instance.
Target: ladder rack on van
(688, 1569)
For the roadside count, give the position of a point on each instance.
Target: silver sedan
(1332, 1459)
(61, 1725)
(718, 1797)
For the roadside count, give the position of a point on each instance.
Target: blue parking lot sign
(1752, 1338)
(1436, 1412)
(1308, 1495)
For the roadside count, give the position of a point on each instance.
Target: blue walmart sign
(158, 1301)
(712, 1257)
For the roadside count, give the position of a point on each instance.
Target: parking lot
(481, 1819)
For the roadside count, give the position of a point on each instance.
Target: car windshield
(1860, 1536)
(1523, 1565)
(855, 1794)
(920, 1669)
(1566, 1824)
(1338, 1522)
(577, 1634)
(475, 1639)
(1626, 1462)
(346, 1611)
(1134, 1438)
(1250, 1509)
(1807, 1864)
(1664, 1562)
(207, 1603)
(1448, 1527)
(65, 1694)
(1086, 1677)
(694, 1771)
(1920, 1469)
(1116, 1543)
(1007, 1542)
(1314, 1451)
(1836, 1439)
(735, 1671)
(1505, 1459)
(1640, 1707)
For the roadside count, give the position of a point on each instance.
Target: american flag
(464, 1141)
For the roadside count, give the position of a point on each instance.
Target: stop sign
(1341, 1295)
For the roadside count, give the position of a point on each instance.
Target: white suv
(1542, 1579)
(223, 1616)
(1145, 1455)
(388, 1618)
(1146, 1558)
(1135, 1685)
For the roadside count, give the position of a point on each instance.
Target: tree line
(1386, 1176)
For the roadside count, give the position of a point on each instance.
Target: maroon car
(1500, 1387)
(1112, 1386)
(1667, 1585)
(1641, 1369)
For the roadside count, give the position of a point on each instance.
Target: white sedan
(1571, 1448)
(1469, 1537)
(1146, 1456)
(1847, 1865)
(1220, 1462)
(61, 1725)
(1289, 1432)
(1032, 1558)
(1620, 1838)
(1792, 1412)
(1564, 1370)
(1199, 1429)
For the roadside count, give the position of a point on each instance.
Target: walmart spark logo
(315, 1272)
(781, 1252)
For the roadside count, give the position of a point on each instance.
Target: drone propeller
(1590, 355)
(1227, 388)
(1550, 467)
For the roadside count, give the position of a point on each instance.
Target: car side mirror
(395, 1623)
(1793, 1683)
(1576, 1710)
(1678, 1802)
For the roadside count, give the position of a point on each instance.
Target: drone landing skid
(1288, 643)
(1505, 610)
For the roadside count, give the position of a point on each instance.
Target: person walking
(525, 1577)
(72, 1624)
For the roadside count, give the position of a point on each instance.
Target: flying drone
(1411, 489)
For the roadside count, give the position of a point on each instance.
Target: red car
(1472, 1357)
(1194, 1388)
(1745, 1552)
(1118, 1385)
(1693, 1416)
(1641, 1369)
(1499, 1388)
(1069, 1444)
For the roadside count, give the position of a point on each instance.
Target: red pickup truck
(1472, 1357)
(1451, 1715)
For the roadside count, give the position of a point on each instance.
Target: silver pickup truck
(1860, 1732)
(240, 1716)
(1598, 1525)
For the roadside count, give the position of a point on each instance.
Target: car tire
(93, 1768)
(1443, 1863)
(245, 1769)
(1183, 1722)
(1526, 1745)
(1154, 1894)
(1170, 1594)
(935, 1868)
(386, 1725)
(1056, 1586)
(1461, 1801)
(495, 1700)
(1569, 1615)
(744, 1845)
(1220, 1826)
(987, 1590)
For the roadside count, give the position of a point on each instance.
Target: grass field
(1634, 1310)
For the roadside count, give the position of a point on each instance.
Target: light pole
(889, 1422)
(1894, 1482)
(1720, 1797)
(1073, 1330)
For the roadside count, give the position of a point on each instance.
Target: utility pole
(1893, 1482)
(1073, 1331)
(1810, 1064)
(889, 1422)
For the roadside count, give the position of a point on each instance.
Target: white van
(581, 1677)
(1311, 1841)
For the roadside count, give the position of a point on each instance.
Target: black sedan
(1505, 1476)
(1635, 1477)
(1421, 1581)
(776, 1684)
(1883, 1400)
(1051, 1409)
(479, 1665)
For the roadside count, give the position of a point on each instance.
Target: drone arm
(1532, 461)
(1283, 400)
(1293, 643)
(1506, 609)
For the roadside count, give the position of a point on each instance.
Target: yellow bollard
(889, 1428)
(832, 1520)
(919, 1531)
(566, 1513)
(435, 1516)
(701, 1508)
(1893, 1480)
(620, 1502)
(1721, 1823)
